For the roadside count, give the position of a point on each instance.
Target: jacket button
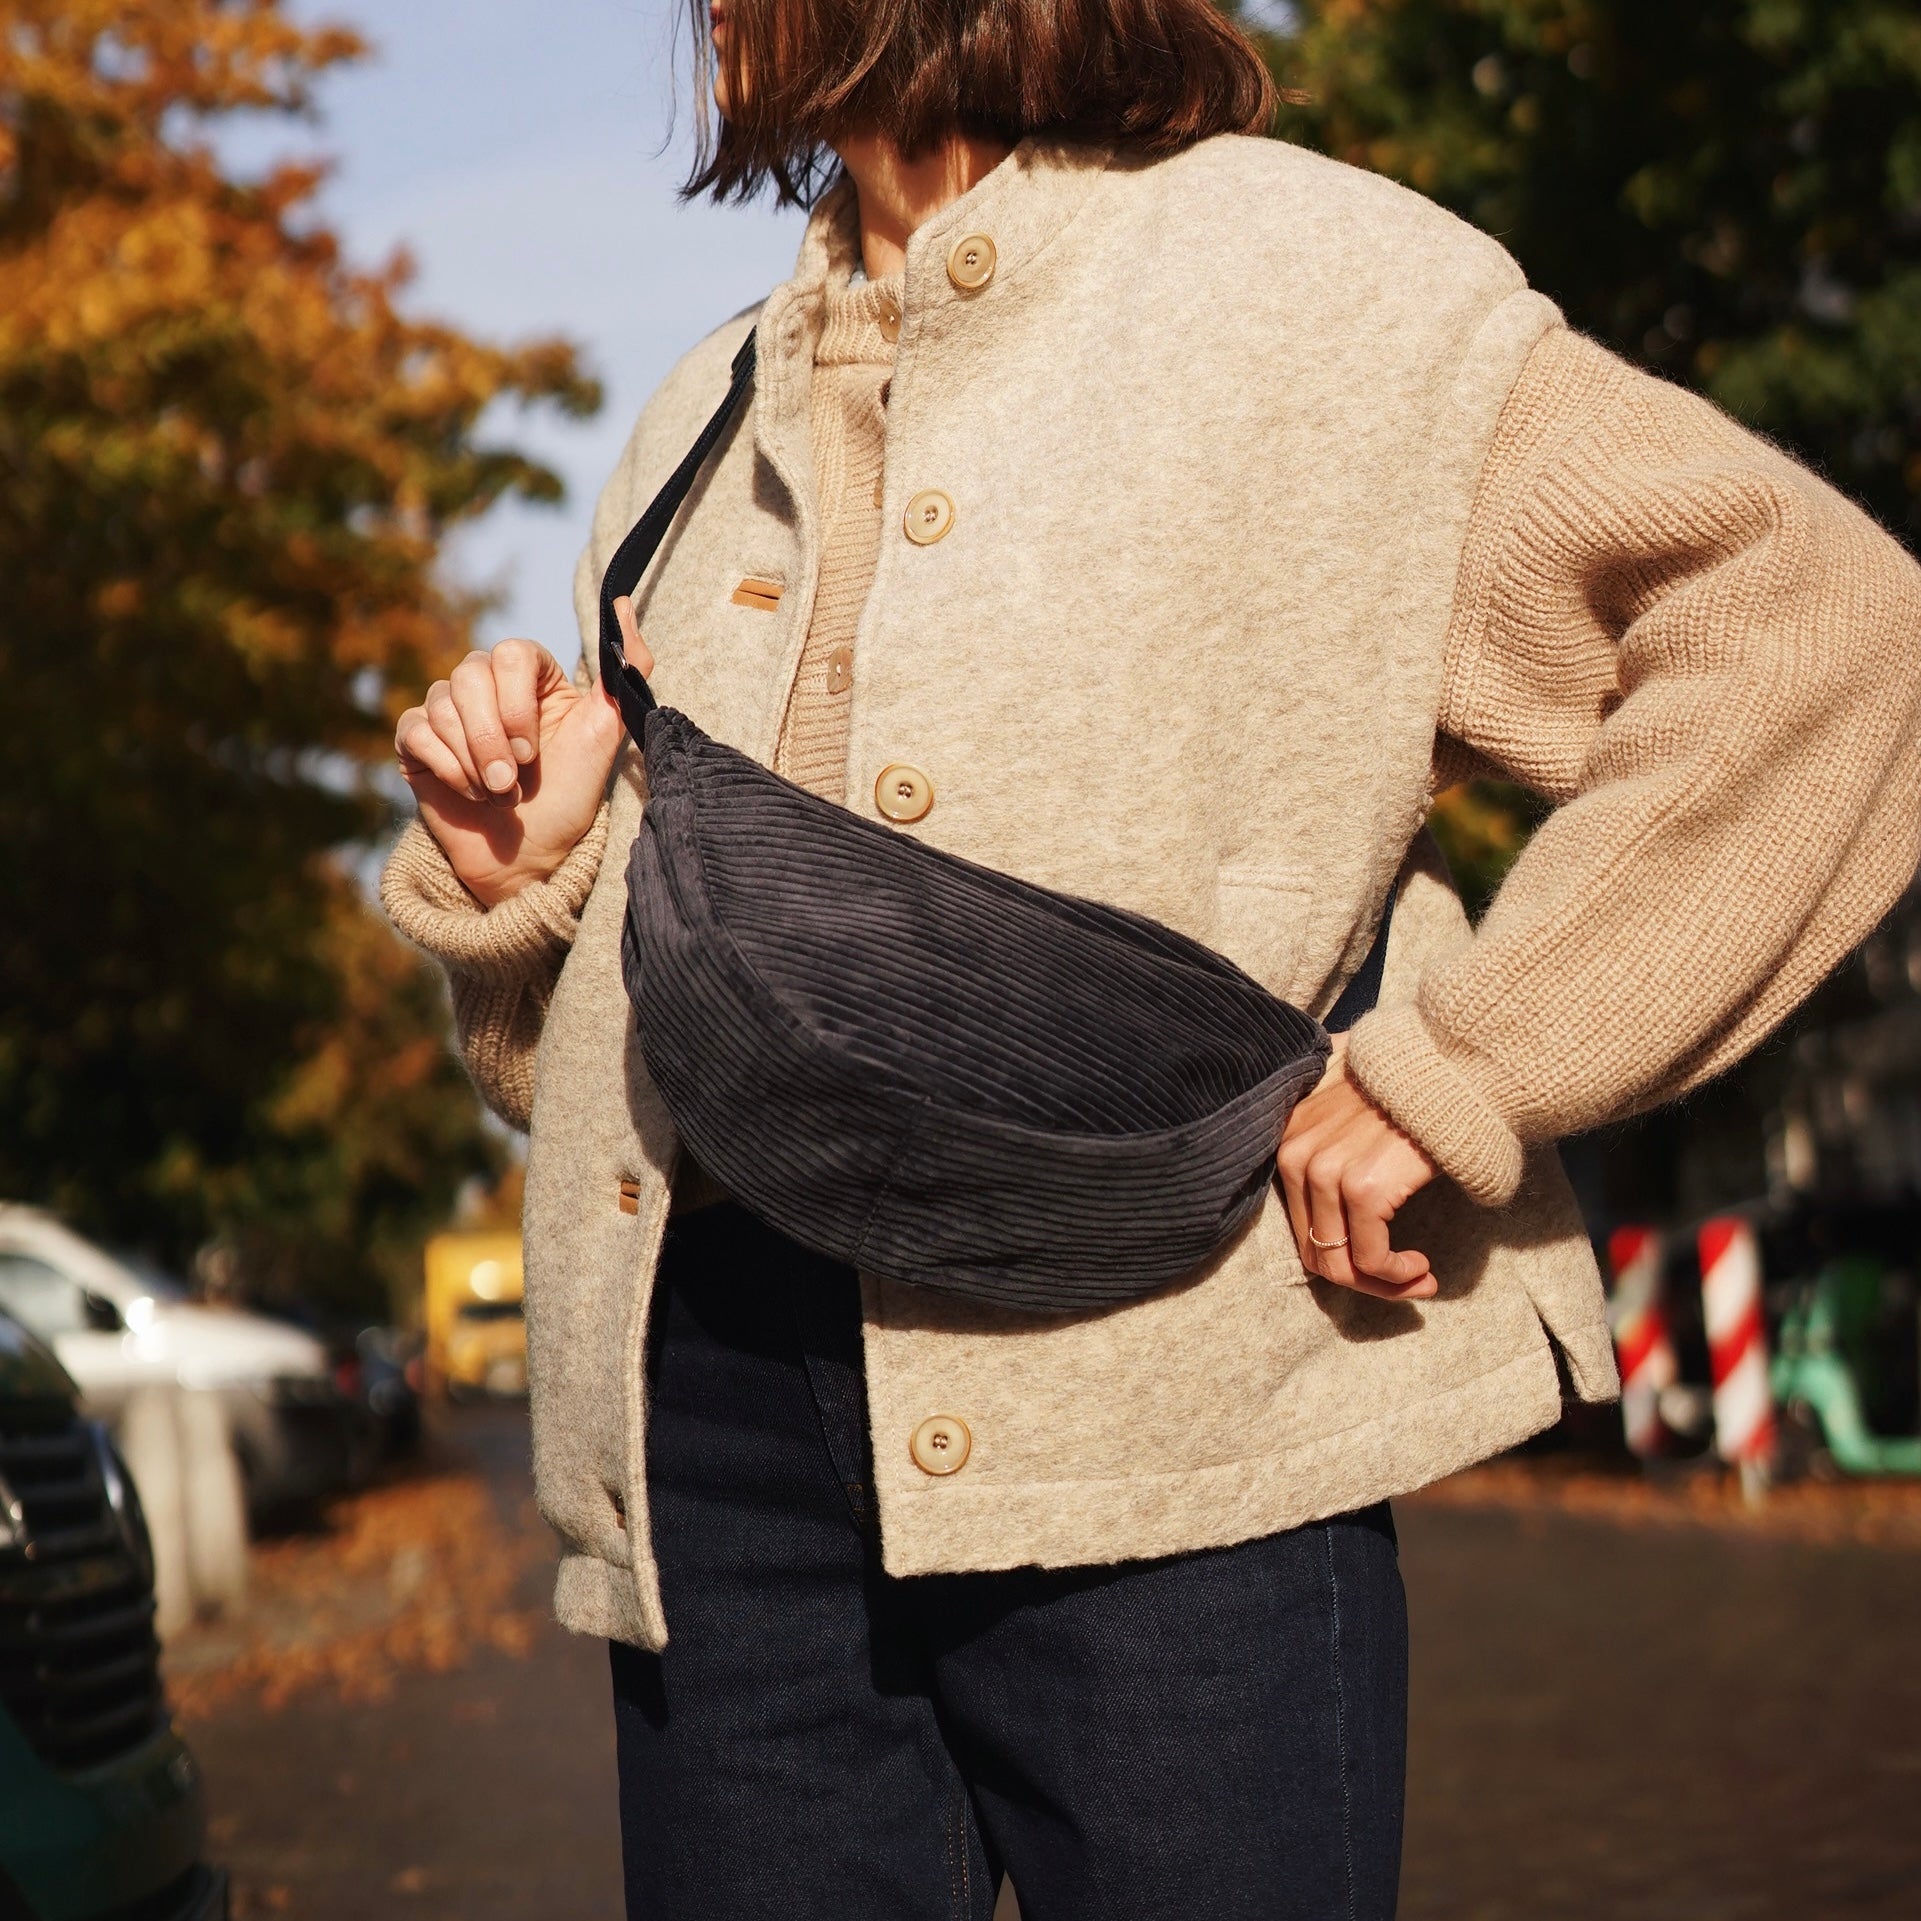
(903, 793)
(970, 264)
(929, 517)
(941, 1444)
(840, 670)
(889, 321)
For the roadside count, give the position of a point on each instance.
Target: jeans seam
(828, 1420)
(966, 1860)
(957, 1857)
(816, 1370)
(1340, 1720)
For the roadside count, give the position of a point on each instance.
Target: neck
(898, 195)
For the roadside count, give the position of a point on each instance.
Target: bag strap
(630, 563)
(1360, 994)
(643, 541)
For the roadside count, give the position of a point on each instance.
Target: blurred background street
(321, 322)
(446, 1750)
(1624, 1704)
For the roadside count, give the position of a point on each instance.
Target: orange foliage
(417, 1576)
(228, 461)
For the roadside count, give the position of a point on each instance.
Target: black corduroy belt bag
(920, 1066)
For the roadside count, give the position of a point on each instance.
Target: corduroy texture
(1605, 492)
(848, 415)
(1222, 438)
(932, 1071)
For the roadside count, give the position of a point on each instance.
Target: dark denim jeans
(1214, 1736)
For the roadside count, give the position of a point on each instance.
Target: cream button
(929, 517)
(970, 263)
(840, 670)
(889, 319)
(941, 1444)
(903, 793)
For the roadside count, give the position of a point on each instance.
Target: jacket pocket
(1260, 921)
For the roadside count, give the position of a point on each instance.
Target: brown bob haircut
(1155, 75)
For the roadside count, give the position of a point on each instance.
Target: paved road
(482, 1794)
(1651, 1722)
(1608, 1721)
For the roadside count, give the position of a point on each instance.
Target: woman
(1161, 515)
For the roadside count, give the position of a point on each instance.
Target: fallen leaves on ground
(416, 1575)
(1870, 1513)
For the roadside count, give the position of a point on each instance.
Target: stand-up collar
(1017, 208)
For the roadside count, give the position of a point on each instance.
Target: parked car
(388, 1369)
(118, 1326)
(101, 1815)
(379, 1371)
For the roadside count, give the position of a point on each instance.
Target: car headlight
(13, 1518)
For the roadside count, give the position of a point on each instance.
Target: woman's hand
(1346, 1170)
(509, 761)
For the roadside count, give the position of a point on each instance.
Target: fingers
(639, 654)
(1348, 1210)
(423, 751)
(519, 669)
(1345, 1171)
(479, 727)
(1350, 1238)
(1292, 1160)
(479, 735)
(1377, 1267)
(1328, 1238)
(443, 716)
(1296, 1150)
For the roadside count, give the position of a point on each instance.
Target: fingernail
(500, 775)
(523, 751)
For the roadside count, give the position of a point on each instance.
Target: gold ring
(1326, 1247)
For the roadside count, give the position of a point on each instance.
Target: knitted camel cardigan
(1278, 501)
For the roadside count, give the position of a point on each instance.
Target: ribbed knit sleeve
(501, 961)
(1712, 662)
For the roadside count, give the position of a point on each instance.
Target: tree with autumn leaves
(1727, 191)
(228, 461)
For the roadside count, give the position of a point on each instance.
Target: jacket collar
(1021, 205)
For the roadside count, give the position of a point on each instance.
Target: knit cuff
(499, 1026)
(517, 939)
(1394, 1061)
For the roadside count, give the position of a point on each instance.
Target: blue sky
(515, 147)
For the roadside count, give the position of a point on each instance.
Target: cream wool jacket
(1238, 447)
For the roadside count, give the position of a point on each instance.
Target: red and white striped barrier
(1638, 1319)
(1737, 1347)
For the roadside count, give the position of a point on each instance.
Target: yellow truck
(476, 1331)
